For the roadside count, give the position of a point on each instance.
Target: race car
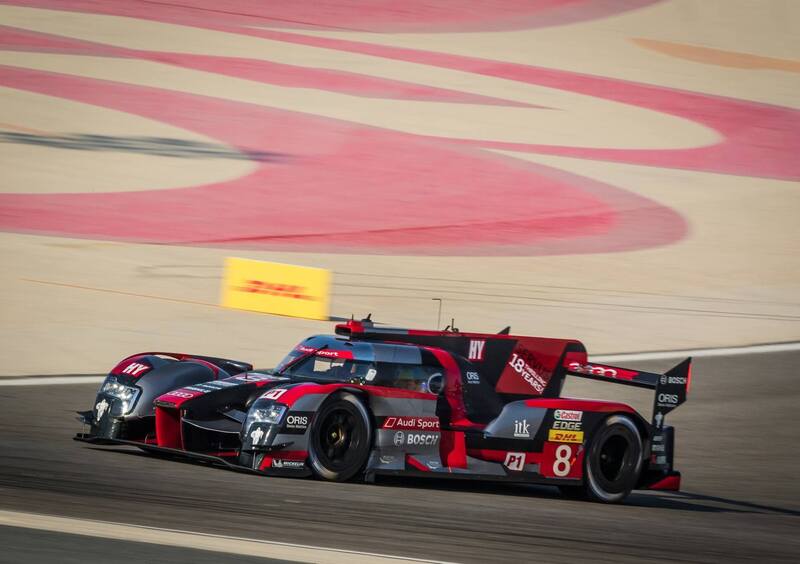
(373, 400)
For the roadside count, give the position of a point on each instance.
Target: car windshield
(327, 365)
(318, 367)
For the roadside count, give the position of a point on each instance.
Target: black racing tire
(340, 439)
(612, 463)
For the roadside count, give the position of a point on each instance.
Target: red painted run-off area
(327, 185)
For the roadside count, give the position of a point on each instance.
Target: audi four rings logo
(592, 369)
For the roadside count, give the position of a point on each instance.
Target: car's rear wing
(671, 388)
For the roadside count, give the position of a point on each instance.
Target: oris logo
(297, 421)
(667, 400)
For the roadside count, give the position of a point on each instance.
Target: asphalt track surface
(737, 446)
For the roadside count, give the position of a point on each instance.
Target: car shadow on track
(683, 501)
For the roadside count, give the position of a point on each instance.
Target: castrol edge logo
(568, 415)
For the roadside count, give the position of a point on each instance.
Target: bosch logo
(592, 369)
(676, 380)
(419, 439)
(399, 437)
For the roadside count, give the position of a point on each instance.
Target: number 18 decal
(562, 460)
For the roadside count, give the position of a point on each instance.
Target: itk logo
(134, 368)
(476, 349)
(515, 461)
(522, 429)
(101, 408)
(256, 435)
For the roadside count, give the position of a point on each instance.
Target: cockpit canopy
(325, 358)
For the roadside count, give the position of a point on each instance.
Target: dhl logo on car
(559, 436)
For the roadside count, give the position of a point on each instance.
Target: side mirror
(436, 384)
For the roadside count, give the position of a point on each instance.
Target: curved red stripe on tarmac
(759, 139)
(329, 80)
(373, 15)
(339, 186)
(251, 69)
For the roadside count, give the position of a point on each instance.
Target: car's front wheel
(341, 439)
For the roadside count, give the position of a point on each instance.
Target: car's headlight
(269, 414)
(126, 394)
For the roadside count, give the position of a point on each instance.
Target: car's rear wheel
(612, 463)
(341, 438)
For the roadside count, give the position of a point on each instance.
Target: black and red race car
(374, 400)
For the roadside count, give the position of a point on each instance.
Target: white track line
(198, 541)
(50, 380)
(622, 357)
(698, 353)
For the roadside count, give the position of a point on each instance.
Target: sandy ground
(77, 305)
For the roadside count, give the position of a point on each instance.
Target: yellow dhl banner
(272, 287)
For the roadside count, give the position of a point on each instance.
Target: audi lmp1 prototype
(374, 401)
